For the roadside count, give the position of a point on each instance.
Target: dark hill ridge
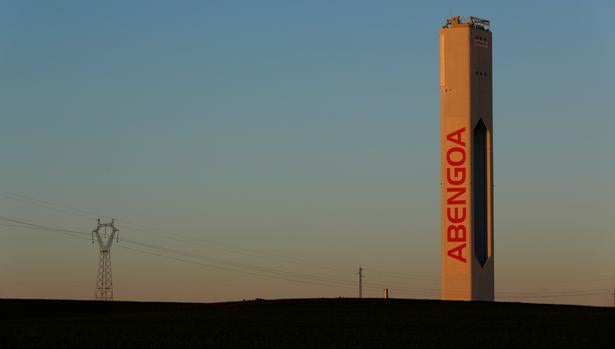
(303, 323)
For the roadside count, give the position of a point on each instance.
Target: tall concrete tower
(466, 170)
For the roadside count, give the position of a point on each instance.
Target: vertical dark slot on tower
(479, 192)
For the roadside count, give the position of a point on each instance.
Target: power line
(173, 254)
(541, 282)
(279, 274)
(215, 262)
(212, 262)
(188, 261)
(42, 227)
(49, 205)
(547, 293)
(191, 240)
(224, 265)
(555, 295)
(400, 275)
(183, 260)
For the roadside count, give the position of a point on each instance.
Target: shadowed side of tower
(466, 138)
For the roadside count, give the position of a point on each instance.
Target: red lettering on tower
(456, 198)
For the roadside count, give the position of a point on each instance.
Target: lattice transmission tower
(104, 282)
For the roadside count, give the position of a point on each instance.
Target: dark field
(309, 323)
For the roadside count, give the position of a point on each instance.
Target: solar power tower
(466, 160)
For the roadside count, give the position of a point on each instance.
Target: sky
(268, 149)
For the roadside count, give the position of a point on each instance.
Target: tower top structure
(468, 21)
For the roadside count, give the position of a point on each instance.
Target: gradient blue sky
(306, 131)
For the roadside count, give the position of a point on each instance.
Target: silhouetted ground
(303, 323)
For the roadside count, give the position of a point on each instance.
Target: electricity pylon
(104, 283)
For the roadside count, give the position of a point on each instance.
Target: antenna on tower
(104, 282)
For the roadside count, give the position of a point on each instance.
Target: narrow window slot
(479, 193)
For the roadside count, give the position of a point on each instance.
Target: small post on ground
(360, 282)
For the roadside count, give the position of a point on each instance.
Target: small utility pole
(360, 282)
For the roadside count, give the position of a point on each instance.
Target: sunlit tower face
(466, 160)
